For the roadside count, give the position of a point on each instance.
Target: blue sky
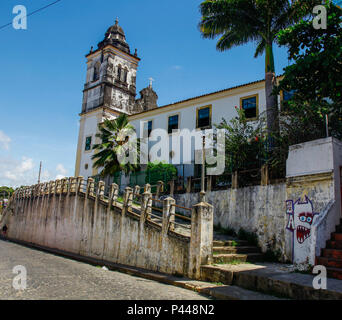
(43, 72)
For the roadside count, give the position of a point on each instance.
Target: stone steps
(332, 253)
(230, 243)
(331, 256)
(337, 236)
(334, 244)
(227, 249)
(241, 250)
(334, 273)
(329, 262)
(232, 257)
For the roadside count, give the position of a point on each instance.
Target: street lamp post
(202, 193)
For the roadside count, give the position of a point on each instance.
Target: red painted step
(332, 253)
(334, 244)
(335, 273)
(337, 236)
(329, 262)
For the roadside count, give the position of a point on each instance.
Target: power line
(32, 13)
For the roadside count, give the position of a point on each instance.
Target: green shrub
(251, 237)
(160, 171)
(272, 256)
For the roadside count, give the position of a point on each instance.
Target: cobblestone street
(53, 277)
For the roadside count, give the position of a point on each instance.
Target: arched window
(119, 73)
(96, 75)
(125, 76)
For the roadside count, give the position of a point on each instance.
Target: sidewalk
(274, 279)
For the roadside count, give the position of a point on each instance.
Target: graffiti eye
(309, 219)
(302, 219)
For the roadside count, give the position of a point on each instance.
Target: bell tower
(109, 91)
(111, 74)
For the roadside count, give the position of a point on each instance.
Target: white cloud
(15, 173)
(176, 67)
(61, 172)
(4, 140)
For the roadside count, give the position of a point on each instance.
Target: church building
(110, 89)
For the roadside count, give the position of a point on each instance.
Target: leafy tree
(240, 21)
(160, 171)
(245, 143)
(115, 145)
(316, 77)
(6, 192)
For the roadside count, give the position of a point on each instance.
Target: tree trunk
(272, 111)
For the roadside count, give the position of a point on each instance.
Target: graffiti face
(303, 217)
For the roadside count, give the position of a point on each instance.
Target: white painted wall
(90, 129)
(223, 107)
(310, 158)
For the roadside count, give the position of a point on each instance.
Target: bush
(160, 172)
(251, 237)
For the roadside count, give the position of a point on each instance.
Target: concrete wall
(313, 191)
(258, 209)
(57, 217)
(296, 217)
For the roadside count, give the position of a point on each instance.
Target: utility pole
(40, 171)
(202, 194)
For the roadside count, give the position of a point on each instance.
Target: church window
(88, 144)
(173, 123)
(149, 127)
(250, 106)
(203, 117)
(125, 76)
(96, 75)
(119, 73)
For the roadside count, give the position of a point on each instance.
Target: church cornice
(121, 87)
(116, 51)
(104, 109)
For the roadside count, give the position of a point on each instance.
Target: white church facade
(110, 89)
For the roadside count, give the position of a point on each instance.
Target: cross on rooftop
(151, 81)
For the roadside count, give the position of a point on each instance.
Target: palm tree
(240, 21)
(116, 145)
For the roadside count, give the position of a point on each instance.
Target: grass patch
(233, 262)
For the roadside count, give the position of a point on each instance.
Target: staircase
(229, 250)
(331, 256)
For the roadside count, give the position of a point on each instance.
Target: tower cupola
(116, 37)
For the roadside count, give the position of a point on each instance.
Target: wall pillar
(209, 183)
(160, 188)
(235, 181)
(188, 185)
(201, 242)
(168, 218)
(172, 187)
(264, 175)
